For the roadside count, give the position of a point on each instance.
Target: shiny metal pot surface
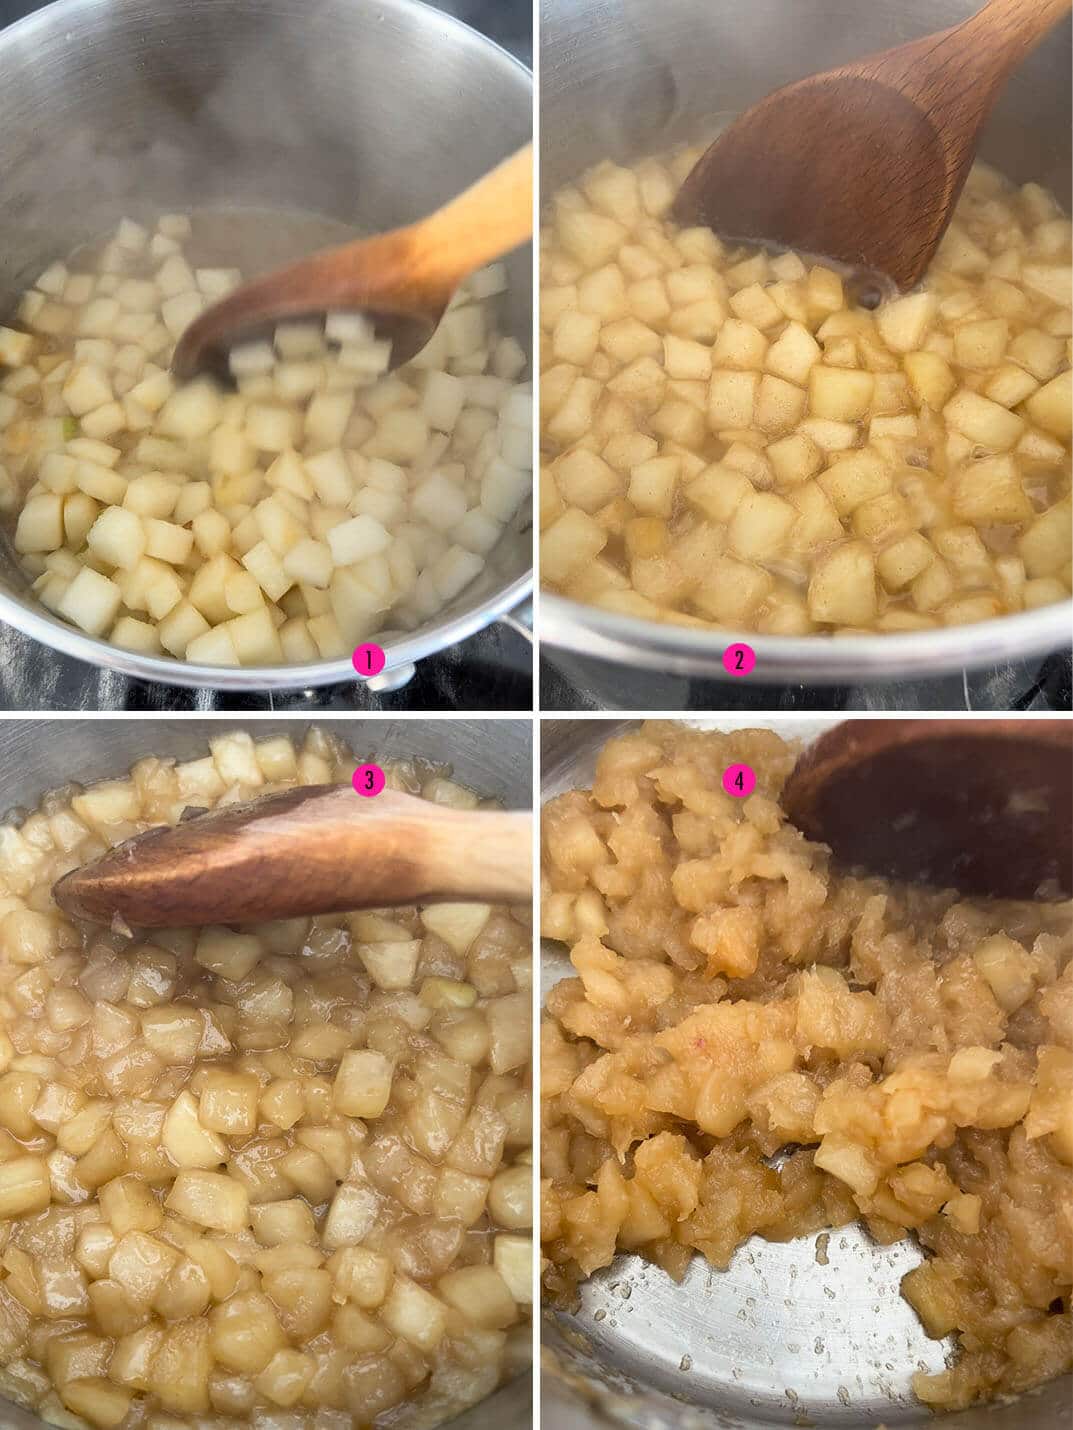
(495, 757)
(370, 112)
(785, 1336)
(623, 78)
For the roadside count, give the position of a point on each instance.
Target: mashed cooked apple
(731, 442)
(757, 1044)
(275, 1176)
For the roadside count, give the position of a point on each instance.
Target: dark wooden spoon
(863, 164)
(404, 279)
(315, 850)
(984, 806)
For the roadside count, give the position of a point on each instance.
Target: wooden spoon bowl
(404, 279)
(314, 850)
(984, 806)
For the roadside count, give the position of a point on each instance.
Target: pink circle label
(368, 780)
(369, 660)
(739, 659)
(739, 780)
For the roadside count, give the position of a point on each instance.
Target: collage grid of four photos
(536, 715)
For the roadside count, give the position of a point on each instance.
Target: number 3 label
(368, 780)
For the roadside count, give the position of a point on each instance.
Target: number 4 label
(739, 780)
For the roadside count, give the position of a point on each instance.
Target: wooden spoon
(863, 164)
(984, 806)
(314, 850)
(404, 278)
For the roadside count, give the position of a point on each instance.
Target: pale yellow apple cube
(839, 394)
(842, 588)
(731, 399)
(760, 526)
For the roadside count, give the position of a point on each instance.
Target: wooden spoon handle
(1010, 28)
(321, 849)
(487, 220)
(962, 67)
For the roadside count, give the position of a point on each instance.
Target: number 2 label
(739, 659)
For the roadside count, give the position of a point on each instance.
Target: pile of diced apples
(731, 443)
(278, 1175)
(323, 502)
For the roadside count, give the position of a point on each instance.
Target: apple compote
(758, 1044)
(276, 1175)
(731, 442)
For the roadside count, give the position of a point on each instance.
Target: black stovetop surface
(568, 682)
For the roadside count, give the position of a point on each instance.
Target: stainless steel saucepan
(623, 78)
(493, 756)
(791, 1334)
(368, 112)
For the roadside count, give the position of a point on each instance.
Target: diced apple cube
(731, 397)
(91, 601)
(439, 502)
(1052, 406)
(855, 478)
(793, 353)
(1047, 544)
(779, 404)
(513, 1258)
(255, 638)
(167, 542)
(454, 571)
(192, 411)
(760, 526)
(733, 591)
(363, 1083)
(215, 647)
(355, 540)
(86, 388)
(410, 1311)
(15, 347)
(180, 311)
(309, 562)
(210, 1199)
(990, 492)
(264, 566)
(982, 421)
(652, 486)
(839, 394)
(118, 537)
(133, 634)
(25, 1187)
(585, 480)
(842, 588)
(794, 459)
(903, 560)
(182, 624)
(903, 324)
(40, 525)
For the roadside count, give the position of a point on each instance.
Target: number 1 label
(369, 660)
